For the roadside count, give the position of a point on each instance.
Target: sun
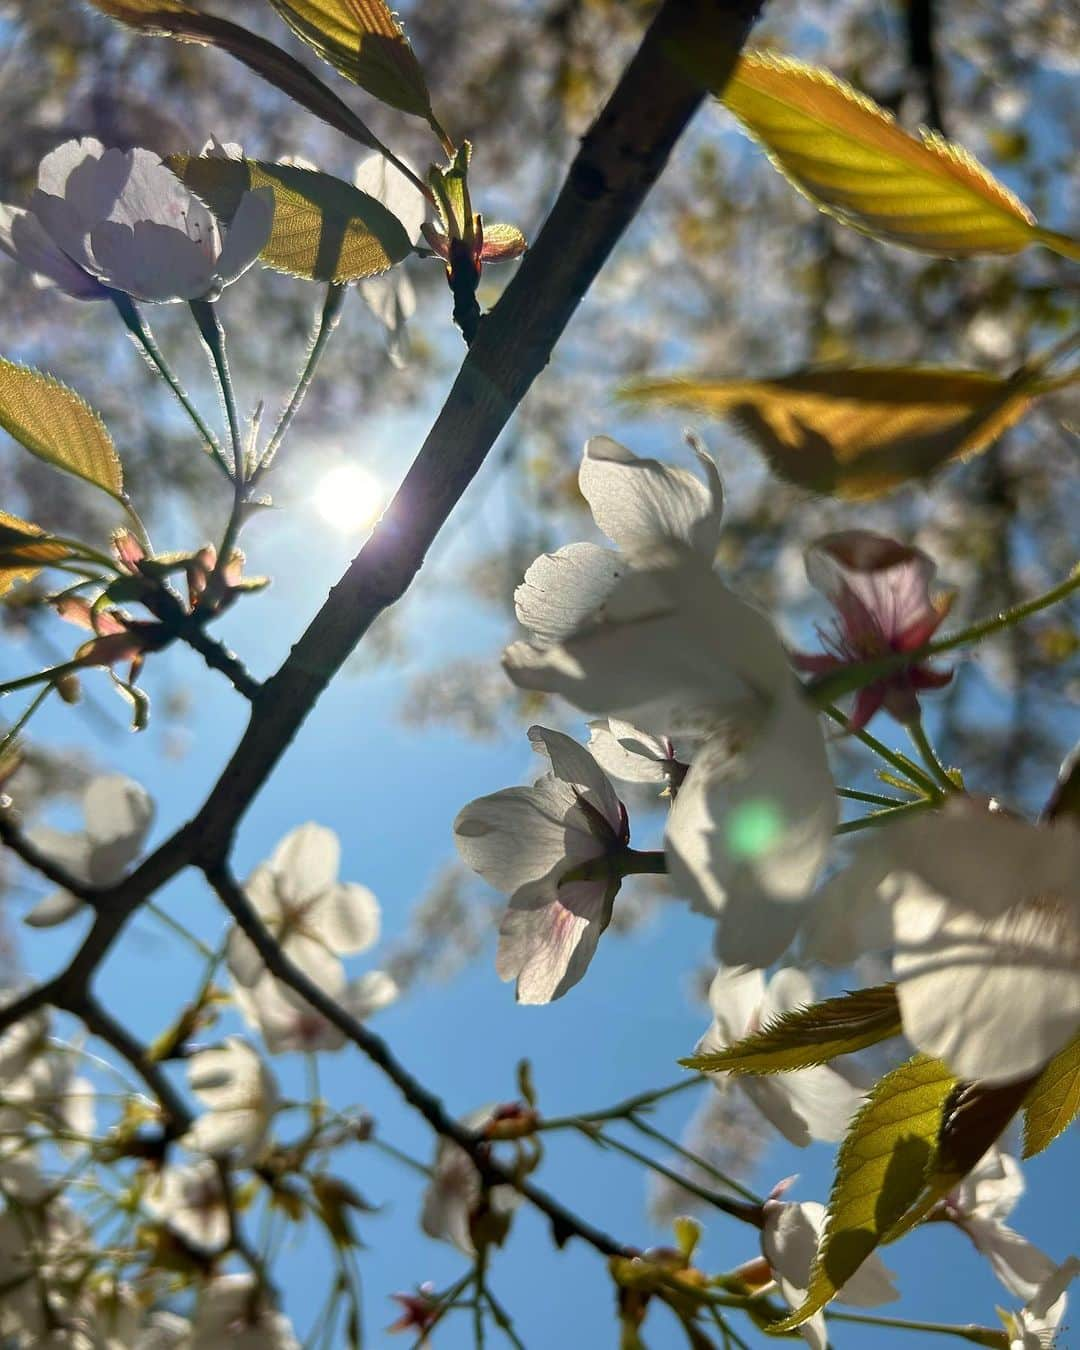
(350, 498)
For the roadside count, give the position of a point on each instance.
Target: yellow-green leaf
(860, 432)
(811, 1035)
(1054, 1100)
(55, 424)
(364, 42)
(324, 228)
(24, 548)
(851, 159)
(881, 1168)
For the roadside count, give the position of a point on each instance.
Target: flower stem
(873, 798)
(928, 755)
(28, 712)
(325, 325)
(213, 335)
(908, 768)
(729, 1183)
(174, 926)
(642, 863)
(51, 675)
(137, 327)
(885, 817)
(976, 1334)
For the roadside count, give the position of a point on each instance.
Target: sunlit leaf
(54, 423)
(502, 243)
(850, 158)
(364, 42)
(811, 1035)
(324, 228)
(24, 548)
(859, 432)
(881, 1168)
(1053, 1101)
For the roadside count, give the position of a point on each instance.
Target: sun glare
(349, 497)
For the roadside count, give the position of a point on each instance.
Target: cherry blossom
(43, 1253)
(676, 654)
(813, 1103)
(232, 1314)
(241, 1094)
(553, 849)
(789, 1243)
(310, 912)
(979, 1206)
(634, 756)
(287, 1022)
(117, 813)
(639, 504)
(105, 220)
(880, 590)
(454, 1201)
(982, 912)
(420, 1311)
(1036, 1325)
(189, 1199)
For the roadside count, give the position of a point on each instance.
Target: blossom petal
(735, 997)
(674, 652)
(522, 836)
(118, 814)
(573, 764)
(993, 998)
(306, 863)
(640, 502)
(150, 261)
(373, 991)
(562, 590)
(345, 917)
(247, 236)
(749, 833)
(628, 754)
(548, 948)
(379, 179)
(57, 907)
(876, 581)
(23, 238)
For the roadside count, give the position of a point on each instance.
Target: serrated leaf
(324, 228)
(24, 548)
(54, 423)
(1053, 1101)
(881, 1168)
(859, 432)
(363, 41)
(845, 153)
(811, 1035)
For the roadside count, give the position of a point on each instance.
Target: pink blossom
(880, 590)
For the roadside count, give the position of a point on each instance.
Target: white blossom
(789, 1243)
(188, 1198)
(310, 912)
(121, 219)
(117, 813)
(1036, 1325)
(287, 1022)
(454, 1193)
(232, 1315)
(677, 655)
(982, 913)
(550, 849)
(979, 1205)
(635, 756)
(812, 1103)
(639, 504)
(241, 1094)
(42, 1252)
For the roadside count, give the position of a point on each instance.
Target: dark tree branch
(32, 856)
(922, 57)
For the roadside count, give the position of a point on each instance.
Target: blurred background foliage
(727, 272)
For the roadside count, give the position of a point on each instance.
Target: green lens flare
(752, 827)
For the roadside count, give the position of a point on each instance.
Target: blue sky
(391, 794)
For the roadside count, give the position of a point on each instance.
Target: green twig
(324, 328)
(908, 768)
(886, 817)
(928, 755)
(729, 1183)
